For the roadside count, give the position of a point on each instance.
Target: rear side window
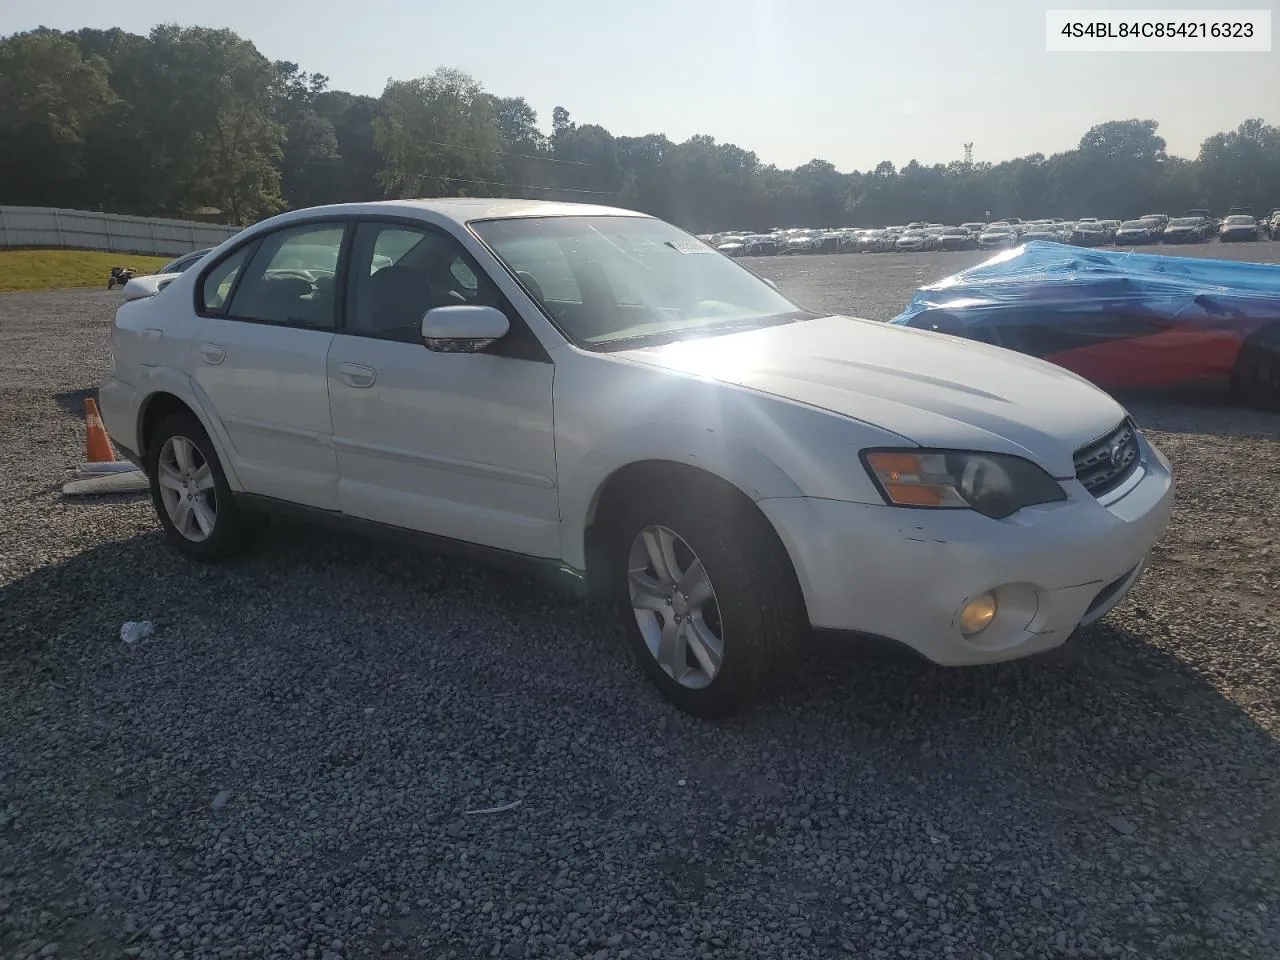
(219, 281)
(291, 278)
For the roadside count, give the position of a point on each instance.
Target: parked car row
(1193, 226)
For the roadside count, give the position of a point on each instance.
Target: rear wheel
(1256, 377)
(195, 505)
(708, 598)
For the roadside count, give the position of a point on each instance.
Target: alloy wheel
(675, 607)
(187, 489)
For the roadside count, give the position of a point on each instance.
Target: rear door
(267, 315)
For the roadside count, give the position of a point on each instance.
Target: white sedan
(601, 396)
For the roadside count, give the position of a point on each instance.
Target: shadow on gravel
(325, 663)
(72, 401)
(1209, 413)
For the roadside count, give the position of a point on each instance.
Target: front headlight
(994, 484)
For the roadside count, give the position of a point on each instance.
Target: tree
(526, 149)
(203, 103)
(1242, 168)
(437, 135)
(310, 152)
(1116, 167)
(587, 161)
(1124, 140)
(185, 119)
(49, 95)
(355, 174)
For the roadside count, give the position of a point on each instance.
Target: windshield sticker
(689, 246)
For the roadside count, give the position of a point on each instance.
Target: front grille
(1107, 462)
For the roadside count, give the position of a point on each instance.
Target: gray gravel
(284, 768)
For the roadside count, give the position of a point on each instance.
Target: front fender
(733, 460)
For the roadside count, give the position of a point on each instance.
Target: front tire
(190, 493)
(1256, 377)
(709, 600)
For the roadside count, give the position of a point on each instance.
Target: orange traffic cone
(102, 473)
(97, 447)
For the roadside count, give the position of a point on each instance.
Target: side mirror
(463, 329)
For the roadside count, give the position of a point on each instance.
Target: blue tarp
(1046, 282)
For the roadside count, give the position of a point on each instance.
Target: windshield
(614, 281)
(999, 230)
(1184, 222)
(1134, 225)
(1239, 220)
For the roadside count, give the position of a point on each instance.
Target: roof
(464, 209)
(441, 211)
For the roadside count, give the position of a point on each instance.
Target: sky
(847, 81)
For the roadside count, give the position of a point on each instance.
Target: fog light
(978, 614)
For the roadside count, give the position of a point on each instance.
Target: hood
(932, 389)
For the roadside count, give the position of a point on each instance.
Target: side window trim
(524, 345)
(250, 247)
(254, 244)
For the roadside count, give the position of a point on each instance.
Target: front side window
(398, 273)
(611, 281)
(291, 278)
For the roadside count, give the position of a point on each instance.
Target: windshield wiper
(756, 323)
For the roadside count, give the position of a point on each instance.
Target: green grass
(57, 269)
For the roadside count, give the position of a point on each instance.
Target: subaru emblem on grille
(1116, 457)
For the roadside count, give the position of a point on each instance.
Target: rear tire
(190, 493)
(755, 611)
(1256, 377)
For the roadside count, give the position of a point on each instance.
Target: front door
(267, 313)
(459, 445)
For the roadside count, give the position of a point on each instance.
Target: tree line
(191, 121)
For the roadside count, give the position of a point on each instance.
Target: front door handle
(358, 375)
(212, 353)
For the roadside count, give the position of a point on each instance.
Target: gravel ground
(285, 768)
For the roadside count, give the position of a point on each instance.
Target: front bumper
(905, 574)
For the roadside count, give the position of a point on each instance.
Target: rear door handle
(358, 375)
(212, 353)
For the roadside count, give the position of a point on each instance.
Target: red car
(1125, 321)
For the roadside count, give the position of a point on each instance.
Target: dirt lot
(284, 768)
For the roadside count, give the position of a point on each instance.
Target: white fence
(85, 230)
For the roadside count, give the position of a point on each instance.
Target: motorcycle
(120, 276)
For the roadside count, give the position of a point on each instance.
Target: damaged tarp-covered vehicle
(1125, 321)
